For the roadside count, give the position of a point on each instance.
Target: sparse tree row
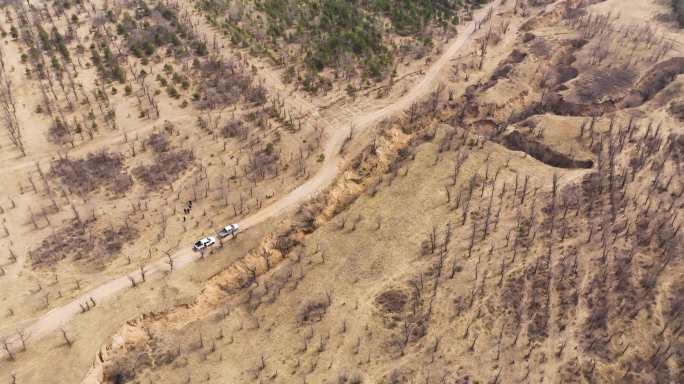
(9, 108)
(55, 58)
(588, 238)
(51, 64)
(568, 258)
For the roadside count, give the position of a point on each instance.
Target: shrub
(234, 128)
(107, 64)
(257, 95)
(71, 240)
(96, 170)
(263, 160)
(177, 78)
(312, 311)
(605, 82)
(167, 166)
(172, 91)
(225, 83)
(82, 243)
(351, 90)
(158, 142)
(112, 239)
(58, 132)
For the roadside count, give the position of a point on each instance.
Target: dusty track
(337, 134)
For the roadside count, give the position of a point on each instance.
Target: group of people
(186, 210)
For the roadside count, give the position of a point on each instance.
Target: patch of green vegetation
(172, 91)
(107, 63)
(151, 29)
(332, 33)
(334, 28)
(53, 41)
(410, 17)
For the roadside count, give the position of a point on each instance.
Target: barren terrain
(483, 193)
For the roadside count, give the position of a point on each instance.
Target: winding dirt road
(56, 318)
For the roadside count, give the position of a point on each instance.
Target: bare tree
(8, 111)
(8, 349)
(23, 337)
(66, 338)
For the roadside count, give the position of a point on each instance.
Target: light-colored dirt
(57, 317)
(504, 236)
(550, 289)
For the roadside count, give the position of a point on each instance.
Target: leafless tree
(23, 337)
(8, 349)
(65, 336)
(8, 111)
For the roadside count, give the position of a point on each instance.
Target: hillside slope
(528, 230)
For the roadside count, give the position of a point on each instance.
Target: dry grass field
(482, 193)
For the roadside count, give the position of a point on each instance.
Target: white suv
(203, 243)
(229, 230)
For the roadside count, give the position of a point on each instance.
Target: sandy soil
(57, 317)
(361, 298)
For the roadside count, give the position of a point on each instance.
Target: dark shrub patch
(166, 168)
(96, 170)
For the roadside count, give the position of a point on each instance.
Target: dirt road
(337, 133)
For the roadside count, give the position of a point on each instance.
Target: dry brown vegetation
(110, 131)
(96, 170)
(563, 261)
(522, 222)
(79, 243)
(165, 168)
(222, 84)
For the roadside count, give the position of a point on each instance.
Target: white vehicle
(229, 230)
(204, 243)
